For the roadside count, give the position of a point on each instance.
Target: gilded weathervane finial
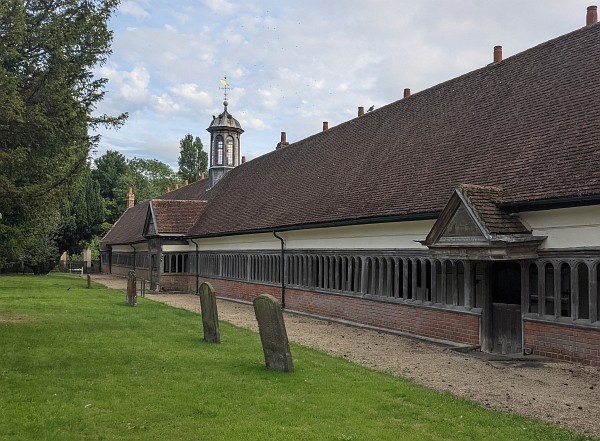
(225, 87)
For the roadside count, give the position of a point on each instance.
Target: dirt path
(563, 393)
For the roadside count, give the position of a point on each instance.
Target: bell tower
(225, 132)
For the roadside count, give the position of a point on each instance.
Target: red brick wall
(178, 282)
(425, 321)
(563, 342)
(124, 271)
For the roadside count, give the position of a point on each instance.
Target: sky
(293, 64)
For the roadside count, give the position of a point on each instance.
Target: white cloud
(134, 9)
(253, 123)
(220, 6)
(165, 103)
(191, 93)
(129, 85)
(292, 65)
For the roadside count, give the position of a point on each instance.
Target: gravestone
(210, 318)
(89, 281)
(273, 334)
(131, 298)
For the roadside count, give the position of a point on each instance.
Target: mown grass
(78, 364)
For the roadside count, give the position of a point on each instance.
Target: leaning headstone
(210, 317)
(273, 334)
(131, 298)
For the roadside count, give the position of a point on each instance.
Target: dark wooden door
(507, 328)
(506, 308)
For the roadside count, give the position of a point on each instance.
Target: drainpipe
(281, 270)
(133, 256)
(197, 270)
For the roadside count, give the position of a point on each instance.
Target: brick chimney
(243, 159)
(283, 143)
(176, 186)
(361, 111)
(130, 198)
(497, 54)
(592, 15)
(202, 176)
(168, 189)
(325, 125)
(186, 182)
(406, 93)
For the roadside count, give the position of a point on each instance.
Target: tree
(193, 160)
(48, 49)
(148, 178)
(110, 168)
(82, 216)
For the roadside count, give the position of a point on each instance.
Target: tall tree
(193, 160)
(48, 49)
(148, 178)
(109, 170)
(82, 216)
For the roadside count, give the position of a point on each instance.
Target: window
(230, 151)
(219, 150)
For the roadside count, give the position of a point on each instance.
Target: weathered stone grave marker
(131, 297)
(210, 317)
(273, 334)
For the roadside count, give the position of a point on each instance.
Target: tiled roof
(176, 216)
(485, 200)
(195, 191)
(529, 124)
(128, 228)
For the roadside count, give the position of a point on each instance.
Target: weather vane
(225, 86)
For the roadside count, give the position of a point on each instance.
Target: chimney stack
(168, 189)
(202, 176)
(130, 198)
(243, 159)
(497, 54)
(361, 111)
(176, 186)
(325, 125)
(592, 15)
(406, 93)
(186, 182)
(283, 142)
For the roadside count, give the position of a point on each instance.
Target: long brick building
(468, 212)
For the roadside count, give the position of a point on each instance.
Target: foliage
(148, 178)
(109, 169)
(47, 94)
(82, 216)
(193, 160)
(81, 369)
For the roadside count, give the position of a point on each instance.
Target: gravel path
(563, 393)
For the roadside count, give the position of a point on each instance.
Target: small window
(230, 151)
(219, 150)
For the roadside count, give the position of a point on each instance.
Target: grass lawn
(78, 363)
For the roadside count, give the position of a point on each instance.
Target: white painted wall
(127, 249)
(566, 227)
(394, 235)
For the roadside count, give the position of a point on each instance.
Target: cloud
(192, 94)
(134, 9)
(220, 6)
(292, 65)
